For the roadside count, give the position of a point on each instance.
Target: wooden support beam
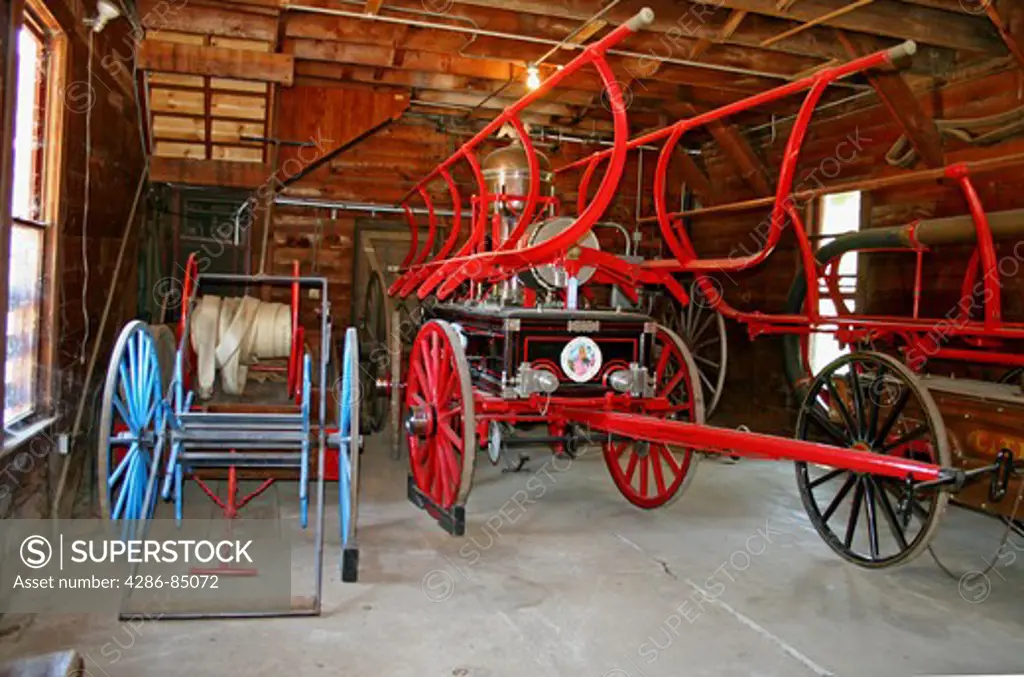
(372, 6)
(902, 104)
(227, 22)
(216, 61)
(824, 18)
(728, 29)
(587, 31)
(680, 23)
(886, 17)
(208, 172)
(1008, 18)
(696, 180)
(736, 147)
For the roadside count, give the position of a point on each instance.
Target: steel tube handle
(641, 20)
(901, 52)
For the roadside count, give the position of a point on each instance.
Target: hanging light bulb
(532, 77)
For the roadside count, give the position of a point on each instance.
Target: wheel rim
(373, 329)
(348, 432)
(440, 422)
(872, 402)
(649, 474)
(132, 422)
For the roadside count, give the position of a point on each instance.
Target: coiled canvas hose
(230, 334)
(903, 154)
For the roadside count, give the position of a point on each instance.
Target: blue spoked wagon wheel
(132, 427)
(348, 456)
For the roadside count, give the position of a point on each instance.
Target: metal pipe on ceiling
(735, 70)
(343, 205)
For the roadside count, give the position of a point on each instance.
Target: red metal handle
(506, 260)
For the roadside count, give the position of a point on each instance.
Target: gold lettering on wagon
(989, 443)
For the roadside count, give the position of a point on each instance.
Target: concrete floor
(581, 583)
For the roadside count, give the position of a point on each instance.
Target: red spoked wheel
(650, 474)
(439, 423)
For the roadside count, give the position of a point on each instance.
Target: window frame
(49, 158)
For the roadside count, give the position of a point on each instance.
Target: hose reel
(231, 334)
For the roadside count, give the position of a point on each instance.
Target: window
(31, 208)
(840, 213)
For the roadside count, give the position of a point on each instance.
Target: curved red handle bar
(452, 272)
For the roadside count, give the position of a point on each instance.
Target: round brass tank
(507, 171)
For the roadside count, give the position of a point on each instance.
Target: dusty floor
(581, 583)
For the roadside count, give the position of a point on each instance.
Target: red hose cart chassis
(869, 437)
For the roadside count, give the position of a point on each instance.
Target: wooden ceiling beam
(823, 19)
(231, 23)
(208, 172)
(680, 24)
(1008, 18)
(220, 62)
(737, 149)
(903, 105)
(890, 18)
(728, 29)
(372, 6)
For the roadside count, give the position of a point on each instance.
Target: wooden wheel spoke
(670, 387)
(659, 370)
(123, 411)
(871, 430)
(838, 498)
(827, 477)
(894, 414)
(659, 478)
(890, 515)
(448, 433)
(677, 468)
(826, 426)
(851, 524)
(914, 434)
(421, 377)
(841, 407)
(695, 336)
(706, 381)
(869, 504)
(854, 382)
(645, 461)
(706, 362)
(634, 457)
(123, 465)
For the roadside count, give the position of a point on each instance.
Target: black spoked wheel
(871, 402)
(1014, 377)
(374, 328)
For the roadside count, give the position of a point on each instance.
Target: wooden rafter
(671, 16)
(170, 57)
(737, 149)
(888, 18)
(1009, 21)
(823, 19)
(728, 29)
(903, 105)
(372, 6)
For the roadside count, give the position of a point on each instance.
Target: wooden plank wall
(115, 165)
